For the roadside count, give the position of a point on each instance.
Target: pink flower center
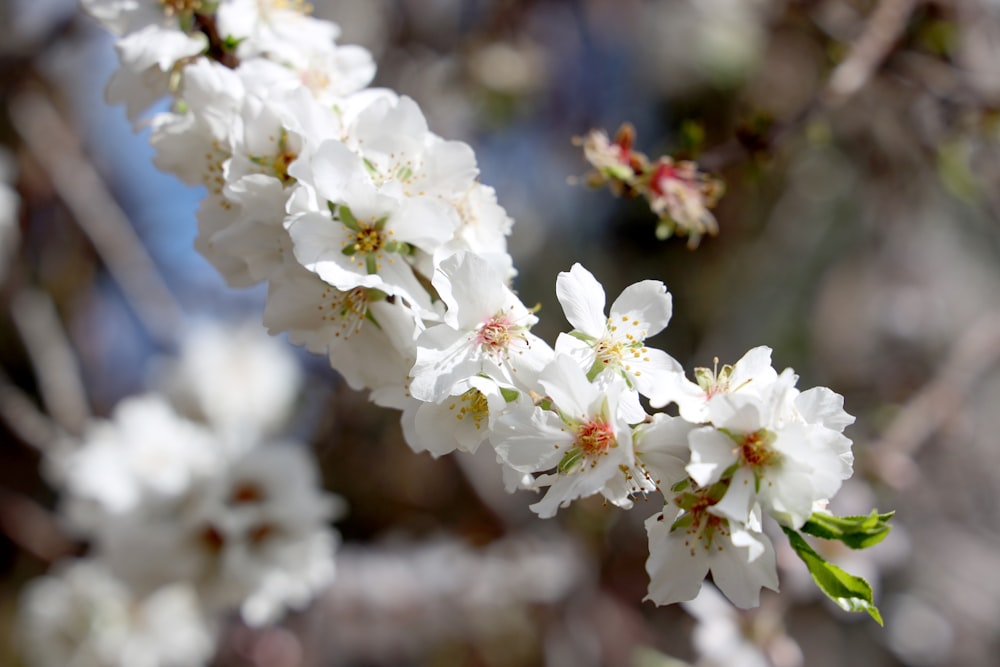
(594, 438)
(756, 449)
(496, 333)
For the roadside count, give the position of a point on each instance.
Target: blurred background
(859, 237)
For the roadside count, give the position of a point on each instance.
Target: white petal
(711, 453)
(742, 570)
(582, 299)
(676, 571)
(645, 305)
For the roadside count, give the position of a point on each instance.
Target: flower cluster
(678, 192)
(382, 250)
(190, 510)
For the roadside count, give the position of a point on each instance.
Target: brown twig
(76, 181)
(971, 358)
(23, 417)
(52, 358)
(884, 28)
(32, 528)
(866, 55)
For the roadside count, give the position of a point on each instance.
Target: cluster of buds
(679, 193)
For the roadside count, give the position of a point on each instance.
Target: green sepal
(665, 229)
(231, 43)
(375, 295)
(509, 395)
(349, 249)
(596, 370)
(399, 247)
(579, 335)
(371, 264)
(571, 461)
(346, 217)
(683, 521)
(681, 485)
(849, 592)
(857, 532)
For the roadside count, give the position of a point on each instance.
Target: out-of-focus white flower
(262, 536)
(82, 616)
(146, 452)
(725, 637)
(237, 379)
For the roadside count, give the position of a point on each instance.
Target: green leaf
(851, 593)
(857, 532)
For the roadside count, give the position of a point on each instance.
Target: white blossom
(80, 615)
(616, 343)
(687, 539)
(783, 462)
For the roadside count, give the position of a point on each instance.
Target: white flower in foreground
(148, 58)
(783, 461)
(486, 332)
(582, 436)
(369, 340)
(751, 374)
(81, 616)
(688, 538)
(368, 237)
(616, 343)
(403, 156)
(461, 421)
(661, 454)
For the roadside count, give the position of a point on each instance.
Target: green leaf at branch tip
(849, 592)
(857, 532)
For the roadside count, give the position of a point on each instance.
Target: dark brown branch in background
(55, 148)
(33, 529)
(53, 360)
(23, 417)
(972, 358)
(883, 30)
